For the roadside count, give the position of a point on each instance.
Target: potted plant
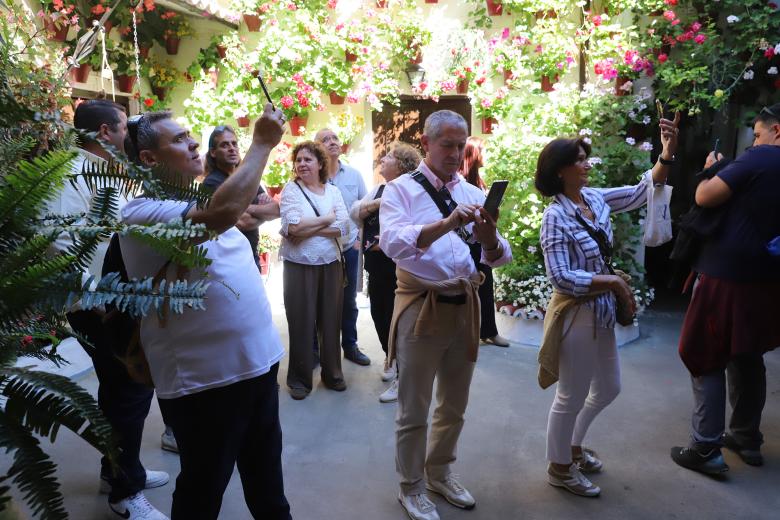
(301, 98)
(162, 76)
(494, 7)
(122, 59)
(550, 55)
(249, 12)
(266, 245)
(278, 171)
(490, 106)
(59, 18)
(336, 81)
(177, 28)
(346, 126)
(409, 38)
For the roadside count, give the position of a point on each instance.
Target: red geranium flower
(149, 102)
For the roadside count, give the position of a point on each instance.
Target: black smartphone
(495, 196)
(716, 147)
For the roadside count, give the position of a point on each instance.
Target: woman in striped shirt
(588, 368)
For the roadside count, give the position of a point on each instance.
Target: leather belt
(458, 299)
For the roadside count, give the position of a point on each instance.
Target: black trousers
(747, 395)
(219, 428)
(381, 292)
(125, 404)
(487, 326)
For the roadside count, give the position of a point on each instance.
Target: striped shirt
(571, 256)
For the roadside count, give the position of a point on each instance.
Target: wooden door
(405, 122)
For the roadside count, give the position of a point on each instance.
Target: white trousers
(588, 380)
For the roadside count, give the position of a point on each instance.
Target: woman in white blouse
(313, 220)
(576, 239)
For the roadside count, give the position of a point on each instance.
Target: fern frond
(17, 255)
(13, 149)
(173, 240)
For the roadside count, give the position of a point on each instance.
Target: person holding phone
(584, 302)
(488, 332)
(732, 318)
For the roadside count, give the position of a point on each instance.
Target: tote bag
(658, 223)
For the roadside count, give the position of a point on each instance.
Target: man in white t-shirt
(214, 370)
(124, 402)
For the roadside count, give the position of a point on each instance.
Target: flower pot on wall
(494, 8)
(298, 125)
(381, 4)
(417, 58)
(508, 74)
(344, 147)
(243, 121)
(350, 56)
(620, 88)
(222, 51)
(252, 22)
(487, 125)
(431, 1)
(264, 262)
(172, 45)
(125, 82)
(57, 32)
(336, 99)
(274, 191)
(80, 74)
(550, 13)
(462, 87)
(160, 92)
(547, 83)
(143, 51)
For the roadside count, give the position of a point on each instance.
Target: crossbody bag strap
(600, 242)
(435, 195)
(316, 212)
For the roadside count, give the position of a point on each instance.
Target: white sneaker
(389, 373)
(136, 507)
(168, 441)
(391, 394)
(153, 479)
(453, 491)
(418, 507)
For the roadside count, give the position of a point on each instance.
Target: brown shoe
(572, 480)
(298, 393)
(338, 386)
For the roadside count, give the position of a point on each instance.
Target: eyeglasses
(132, 129)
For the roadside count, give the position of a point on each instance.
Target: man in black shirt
(222, 159)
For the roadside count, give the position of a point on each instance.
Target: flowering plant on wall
(346, 125)
(552, 54)
(177, 26)
(163, 73)
(278, 170)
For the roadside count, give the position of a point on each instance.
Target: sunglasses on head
(767, 110)
(132, 129)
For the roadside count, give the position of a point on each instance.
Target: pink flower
(662, 58)
(352, 98)
(332, 3)
(486, 103)
(670, 2)
(447, 85)
(597, 20)
(669, 15)
(538, 48)
(676, 22)
(769, 52)
(480, 80)
(696, 27)
(26, 340)
(505, 33)
(700, 38)
(287, 101)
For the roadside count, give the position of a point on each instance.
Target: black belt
(458, 299)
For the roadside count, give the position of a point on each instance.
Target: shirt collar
(91, 157)
(434, 179)
(572, 209)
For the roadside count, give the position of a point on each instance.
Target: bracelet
(498, 246)
(667, 162)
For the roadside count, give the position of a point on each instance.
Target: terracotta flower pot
(431, 1)
(462, 87)
(160, 92)
(243, 121)
(417, 59)
(125, 82)
(143, 51)
(494, 8)
(57, 32)
(508, 75)
(381, 4)
(336, 99)
(344, 147)
(172, 45)
(252, 22)
(550, 13)
(80, 74)
(274, 191)
(264, 262)
(222, 51)
(547, 84)
(350, 56)
(298, 125)
(487, 125)
(620, 81)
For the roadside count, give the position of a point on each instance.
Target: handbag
(624, 315)
(658, 221)
(344, 280)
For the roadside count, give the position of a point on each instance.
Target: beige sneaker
(573, 480)
(588, 462)
(453, 491)
(418, 507)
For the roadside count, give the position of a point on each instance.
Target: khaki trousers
(421, 359)
(312, 298)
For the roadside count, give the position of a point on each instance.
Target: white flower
(646, 120)
(772, 71)
(586, 131)
(749, 74)
(632, 114)
(777, 48)
(732, 19)
(531, 249)
(586, 140)
(642, 106)
(646, 146)
(630, 141)
(595, 160)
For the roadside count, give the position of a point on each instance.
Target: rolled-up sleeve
(627, 198)
(399, 235)
(342, 217)
(575, 282)
(506, 254)
(289, 208)
(354, 211)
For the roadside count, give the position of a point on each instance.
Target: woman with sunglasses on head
(401, 158)
(488, 332)
(579, 348)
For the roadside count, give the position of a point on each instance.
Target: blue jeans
(349, 311)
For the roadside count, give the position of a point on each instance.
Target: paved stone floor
(339, 454)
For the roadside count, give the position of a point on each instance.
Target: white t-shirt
(232, 340)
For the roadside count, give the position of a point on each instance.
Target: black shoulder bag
(345, 281)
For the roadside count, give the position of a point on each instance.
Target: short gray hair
(440, 118)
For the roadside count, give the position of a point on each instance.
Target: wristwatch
(667, 162)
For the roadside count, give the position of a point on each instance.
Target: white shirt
(293, 206)
(406, 207)
(232, 340)
(350, 183)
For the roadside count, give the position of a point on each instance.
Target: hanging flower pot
(494, 8)
(222, 51)
(160, 92)
(431, 1)
(243, 121)
(381, 4)
(57, 32)
(508, 74)
(550, 13)
(621, 89)
(80, 74)
(172, 45)
(336, 99)
(264, 262)
(417, 58)
(487, 125)
(143, 51)
(298, 125)
(547, 84)
(125, 82)
(252, 22)
(344, 147)
(274, 191)
(462, 87)
(350, 56)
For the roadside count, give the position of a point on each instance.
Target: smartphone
(495, 196)
(660, 108)
(716, 147)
